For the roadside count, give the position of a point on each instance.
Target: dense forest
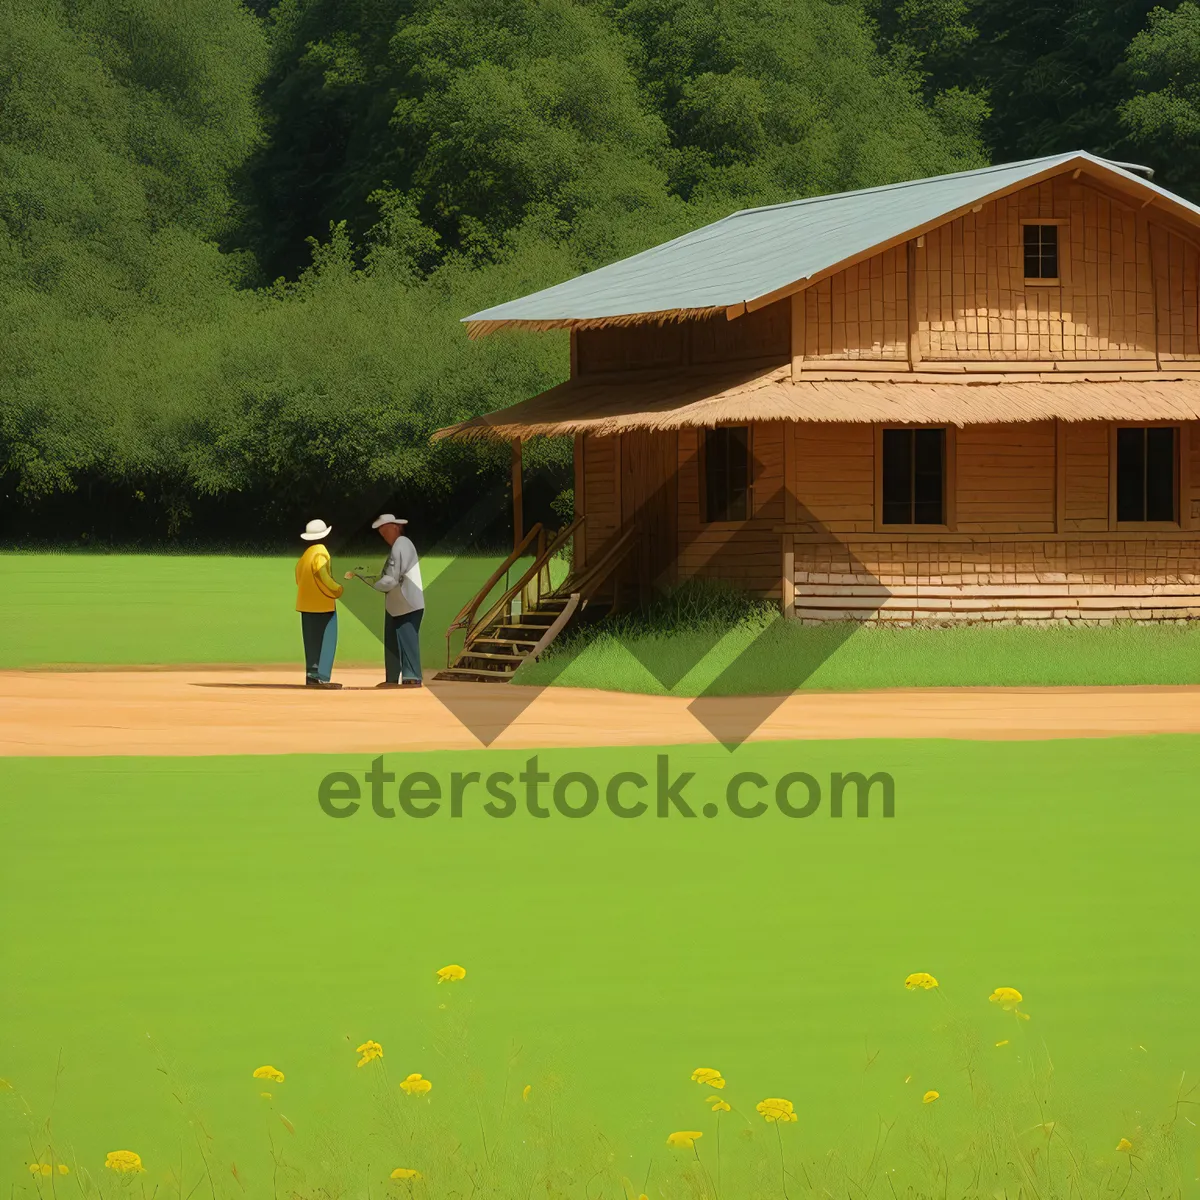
(237, 237)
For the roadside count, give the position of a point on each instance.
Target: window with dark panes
(914, 476)
(1146, 474)
(1041, 251)
(727, 473)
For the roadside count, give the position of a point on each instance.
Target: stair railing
(587, 582)
(466, 615)
(529, 586)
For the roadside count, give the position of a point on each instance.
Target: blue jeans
(320, 643)
(402, 646)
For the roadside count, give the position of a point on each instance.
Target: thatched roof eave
(603, 408)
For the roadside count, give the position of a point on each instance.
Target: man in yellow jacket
(316, 602)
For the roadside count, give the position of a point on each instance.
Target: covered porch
(1026, 509)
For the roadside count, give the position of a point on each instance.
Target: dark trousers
(320, 643)
(402, 646)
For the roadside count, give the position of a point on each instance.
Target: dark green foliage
(395, 165)
(1116, 77)
(1164, 66)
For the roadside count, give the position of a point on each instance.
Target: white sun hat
(388, 519)
(315, 530)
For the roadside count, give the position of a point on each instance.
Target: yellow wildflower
(451, 974)
(40, 1168)
(1008, 998)
(1124, 1146)
(685, 1139)
(268, 1073)
(930, 1097)
(404, 1173)
(718, 1105)
(63, 1169)
(414, 1085)
(369, 1050)
(124, 1162)
(775, 1109)
(920, 979)
(526, 1090)
(708, 1075)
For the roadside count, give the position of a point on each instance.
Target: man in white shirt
(404, 604)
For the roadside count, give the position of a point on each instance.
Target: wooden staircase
(531, 613)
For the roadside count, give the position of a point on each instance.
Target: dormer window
(1041, 253)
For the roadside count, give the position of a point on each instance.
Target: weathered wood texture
(763, 335)
(911, 578)
(972, 301)
(1018, 550)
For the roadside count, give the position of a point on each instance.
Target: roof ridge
(1066, 156)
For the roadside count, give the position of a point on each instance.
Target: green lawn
(773, 655)
(95, 609)
(161, 609)
(171, 924)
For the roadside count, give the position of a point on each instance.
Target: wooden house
(968, 397)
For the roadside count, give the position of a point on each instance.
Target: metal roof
(757, 251)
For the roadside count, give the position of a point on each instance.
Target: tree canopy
(237, 238)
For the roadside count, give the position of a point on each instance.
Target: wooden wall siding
(746, 554)
(971, 300)
(1005, 477)
(764, 334)
(629, 347)
(971, 291)
(1085, 476)
(835, 476)
(600, 492)
(860, 313)
(1176, 276)
(649, 496)
(990, 579)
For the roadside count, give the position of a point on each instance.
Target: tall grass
(709, 638)
(1003, 1132)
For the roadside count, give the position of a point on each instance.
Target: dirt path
(261, 711)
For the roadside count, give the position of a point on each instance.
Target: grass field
(171, 924)
(764, 654)
(141, 609)
(162, 609)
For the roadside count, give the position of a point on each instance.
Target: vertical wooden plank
(1112, 475)
(877, 478)
(518, 499)
(799, 312)
(580, 536)
(914, 320)
(618, 501)
(1060, 475)
(787, 575)
(1154, 295)
(790, 432)
(574, 353)
(951, 513)
(1185, 475)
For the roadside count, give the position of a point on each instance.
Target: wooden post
(789, 472)
(581, 535)
(787, 582)
(1060, 476)
(518, 499)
